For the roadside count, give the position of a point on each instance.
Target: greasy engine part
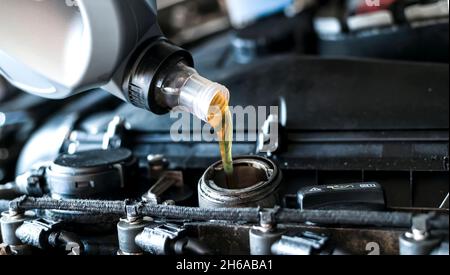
(127, 230)
(257, 182)
(139, 235)
(97, 174)
(10, 221)
(261, 240)
(268, 239)
(234, 239)
(250, 215)
(45, 234)
(155, 241)
(169, 239)
(422, 239)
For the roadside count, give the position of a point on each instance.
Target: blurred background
(397, 29)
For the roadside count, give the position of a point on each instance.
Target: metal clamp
(133, 210)
(14, 205)
(267, 218)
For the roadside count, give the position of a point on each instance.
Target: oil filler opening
(246, 175)
(256, 182)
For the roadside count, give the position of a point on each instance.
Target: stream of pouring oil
(221, 120)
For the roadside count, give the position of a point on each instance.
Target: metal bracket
(168, 180)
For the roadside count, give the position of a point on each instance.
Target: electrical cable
(251, 215)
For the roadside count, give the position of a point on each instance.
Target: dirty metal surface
(227, 239)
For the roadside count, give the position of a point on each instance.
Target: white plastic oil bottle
(57, 48)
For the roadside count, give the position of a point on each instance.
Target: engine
(340, 143)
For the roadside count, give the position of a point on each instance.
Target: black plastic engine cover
(347, 94)
(353, 196)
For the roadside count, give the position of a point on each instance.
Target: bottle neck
(183, 88)
(162, 78)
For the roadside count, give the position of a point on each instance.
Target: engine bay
(340, 144)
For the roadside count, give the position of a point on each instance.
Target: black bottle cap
(145, 70)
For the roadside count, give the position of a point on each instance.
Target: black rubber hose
(252, 215)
